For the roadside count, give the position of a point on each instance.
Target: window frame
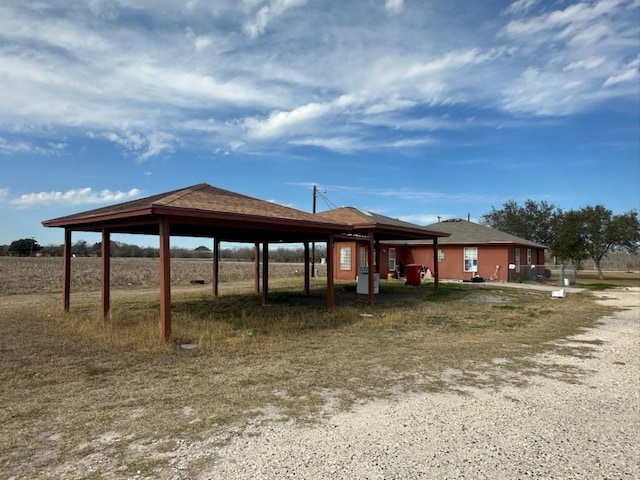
(470, 255)
(344, 257)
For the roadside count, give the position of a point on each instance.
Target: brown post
(66, 272)
(256, 267)
(435, 264)
(330, 292)
(371, 270)
(165, 280)
(106, 273)
(265, 273)
(307, 269)
(216, 267)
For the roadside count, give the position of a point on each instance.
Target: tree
(25, 247)
(80, 248)
(535, 221)
(594, 232)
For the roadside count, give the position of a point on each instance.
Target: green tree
(534, 221)
(594, 232)
(25, 247)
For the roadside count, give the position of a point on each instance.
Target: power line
(329, 203)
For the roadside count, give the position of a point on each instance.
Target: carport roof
(383, 228)
(206, 211)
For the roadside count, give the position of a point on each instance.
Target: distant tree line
(574, 236)
(29, 247)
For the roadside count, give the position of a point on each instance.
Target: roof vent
(452, 220)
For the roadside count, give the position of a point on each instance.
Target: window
(471, 259)
(392, 259)
(440, 256)
(528, 256)
(362, 257)
(517, 260)
(345, 258)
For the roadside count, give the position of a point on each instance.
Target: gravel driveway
(549, 429)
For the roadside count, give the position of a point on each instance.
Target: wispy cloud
(80, 196)
(519, 7)
(394, 6)
(8, 147)
(277, 72)
(266, 12)
(144, 146)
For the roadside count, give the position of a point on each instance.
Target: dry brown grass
(114, 400)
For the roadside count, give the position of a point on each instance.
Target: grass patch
(597, 287)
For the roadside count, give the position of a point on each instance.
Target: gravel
(552, 428)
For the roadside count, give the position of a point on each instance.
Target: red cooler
(412, 273)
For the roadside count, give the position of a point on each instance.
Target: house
(367, 242)
(474, 251)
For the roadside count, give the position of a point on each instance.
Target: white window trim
(392, 259)
(470, 254)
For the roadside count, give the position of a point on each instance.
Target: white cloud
(412, 142)
(280, 122)
(519, 7)
(145, 146)
(193, 74)
(628, 73)
(578, 49)
(79, 196)
(19, 147)
(157, 143)
(267, 13)
(586, 64)
(340, 144)
(394, 6)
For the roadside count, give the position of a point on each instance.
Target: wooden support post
(66, 271)
(106, 273)
(436, 283)
(371, 271)
(331, 301)
(216, 267)
(265, 273)
(256, 267)
(307, 288)
(165, 280)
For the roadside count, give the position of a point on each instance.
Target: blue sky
(413, 109)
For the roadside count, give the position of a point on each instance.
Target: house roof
(363, 222)
(205, 211)
(466, 232)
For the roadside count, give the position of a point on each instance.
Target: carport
(199, 211)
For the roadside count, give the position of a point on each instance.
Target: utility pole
(313, 244)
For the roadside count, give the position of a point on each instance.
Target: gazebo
(224, 216)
